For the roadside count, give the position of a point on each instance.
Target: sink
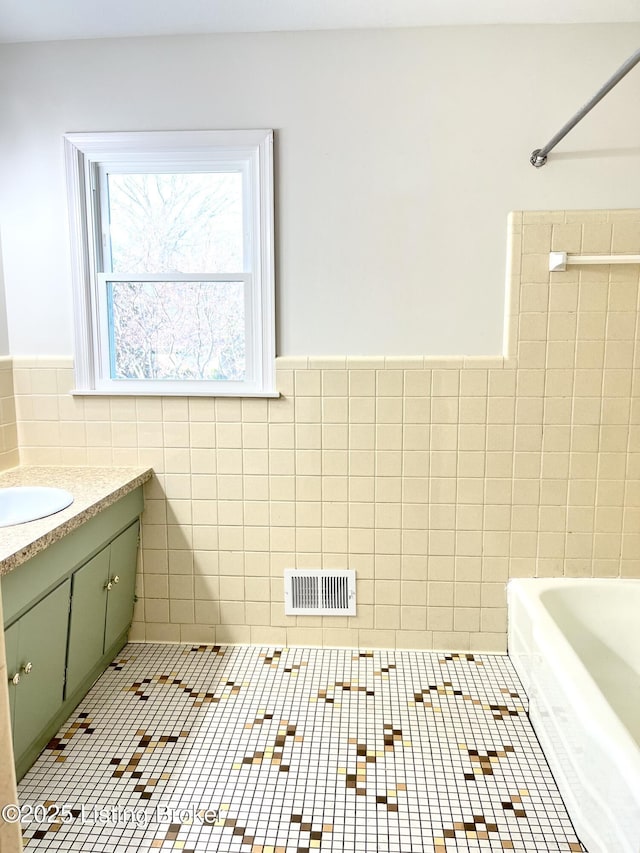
(19, 504)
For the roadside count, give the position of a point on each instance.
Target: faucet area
(319, 442)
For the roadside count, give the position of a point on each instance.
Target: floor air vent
(319, 592)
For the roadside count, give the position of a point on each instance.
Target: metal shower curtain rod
(539, 156)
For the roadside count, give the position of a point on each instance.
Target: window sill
(270, 395)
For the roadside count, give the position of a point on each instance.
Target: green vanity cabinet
(36, 647)
(67, 613)
(102, 597)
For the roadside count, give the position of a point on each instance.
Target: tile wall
(436, 479)
(8, 428)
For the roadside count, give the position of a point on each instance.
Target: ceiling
(52, 20)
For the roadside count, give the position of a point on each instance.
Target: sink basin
(19, 504)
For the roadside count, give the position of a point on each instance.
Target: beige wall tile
(436, 478)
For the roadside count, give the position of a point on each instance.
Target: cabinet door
(86, 627)
(42, 643)
(13, 666)
(122, 565)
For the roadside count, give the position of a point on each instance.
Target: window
(172, 261)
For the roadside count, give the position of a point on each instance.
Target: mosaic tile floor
(262, 750)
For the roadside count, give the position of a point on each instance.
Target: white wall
(4, 329)
(399, 155)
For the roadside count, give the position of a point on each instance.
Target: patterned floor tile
(293, 750)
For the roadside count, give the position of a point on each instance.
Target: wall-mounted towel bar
(559, 261)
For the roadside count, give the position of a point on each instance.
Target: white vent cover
(319, 592)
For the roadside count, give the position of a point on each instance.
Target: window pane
(188, 223)
(176, 330)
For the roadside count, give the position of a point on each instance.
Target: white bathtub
(575, 645)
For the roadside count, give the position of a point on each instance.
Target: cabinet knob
(108, 585)
(16, 679)
(116, 579)
(27, 667)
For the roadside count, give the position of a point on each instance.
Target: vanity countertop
(93, 489)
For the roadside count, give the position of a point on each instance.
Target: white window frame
(88, 156)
